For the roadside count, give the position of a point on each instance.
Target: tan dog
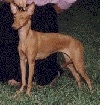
(36, 45)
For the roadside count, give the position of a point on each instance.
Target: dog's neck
(24, 30)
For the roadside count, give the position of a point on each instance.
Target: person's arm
(62, 5)
(7, 1)
(20, 3)
(59, 6)
(58, 9)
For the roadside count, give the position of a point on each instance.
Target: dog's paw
(18, 92)
(27, 93)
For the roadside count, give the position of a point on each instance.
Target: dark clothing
(43, 20)
(9, 58)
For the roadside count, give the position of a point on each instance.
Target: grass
(82, 24)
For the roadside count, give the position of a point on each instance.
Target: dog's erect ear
(14, 8)
(30, 8)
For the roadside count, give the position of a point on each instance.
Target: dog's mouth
(16, 28)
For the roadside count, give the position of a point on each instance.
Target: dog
(35, 45)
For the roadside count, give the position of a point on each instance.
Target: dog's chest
(22, 47)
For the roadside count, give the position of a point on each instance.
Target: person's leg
(51, 22)
(38, 22)
(9, 58)
(44, 19)
(13, 67)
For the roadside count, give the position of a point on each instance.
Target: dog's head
(21, 17)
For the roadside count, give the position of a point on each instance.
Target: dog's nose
(14, 27)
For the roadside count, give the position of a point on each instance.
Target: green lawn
(84, 25)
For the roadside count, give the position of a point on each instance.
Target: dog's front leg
(31, 73)
(23, 61)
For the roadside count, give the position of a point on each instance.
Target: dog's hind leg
(71, 67)
(75, 74)
(79, 65)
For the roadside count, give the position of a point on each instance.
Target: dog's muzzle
(15, 28)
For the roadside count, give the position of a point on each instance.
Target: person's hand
(20, 3)
(8, 1)
(58, 9)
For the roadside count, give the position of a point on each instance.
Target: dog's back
(54, 42)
